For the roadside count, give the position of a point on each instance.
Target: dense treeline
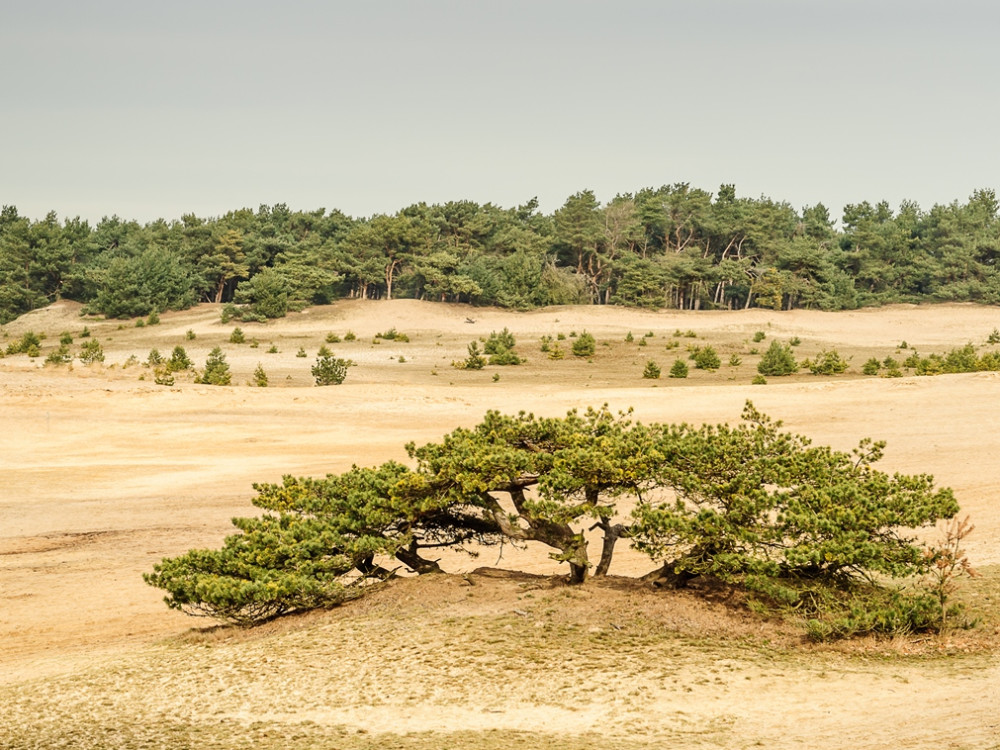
(675, 246)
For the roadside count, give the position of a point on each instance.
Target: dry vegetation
(107, 473)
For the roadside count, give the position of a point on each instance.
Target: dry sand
(104, 474)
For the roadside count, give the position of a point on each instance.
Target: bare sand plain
(105, 473)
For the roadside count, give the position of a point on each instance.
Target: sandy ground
(104, 474)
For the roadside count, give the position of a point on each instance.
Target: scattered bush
(759, 336)
(332, 338)
(216, 369)
(237, 337)
(154, 358)
(584, 346)
(475, 360)
(179, 360)
(393, 335)
(60, 356)
(642, 342)
(66, 338)
(162, 375)
(758, 380)
(629, 338)
(871, 367)
(349, 336)
(301, 353)
(994, 337)
(794, 341)
(499, 342)
(705, 358)
(190, 335)
(557, 352)
(777, 360)
(154, 318)
(735, 361)
(90, 352)
(651, 371)
(827, 363)
(28, 343)
(679, 369)
(329, 370)
(260, 376)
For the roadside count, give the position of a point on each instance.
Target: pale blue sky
(157, 109)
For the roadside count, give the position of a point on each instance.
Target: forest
(671, 247)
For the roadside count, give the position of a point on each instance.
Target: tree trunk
(612, 533)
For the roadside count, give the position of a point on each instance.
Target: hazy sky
(149, 109)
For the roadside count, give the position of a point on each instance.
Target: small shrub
(679, 369)
(154, 358)
(475, 360)
(827, 363)
(871, 367)
(91, 352)
(29, 341)
(260, 376)
(651, 371)
(649, 335)
(794, 341)
(505, 357)
(153, 319)
(190, 335)
(890, 364)
(994, 337)
(758, 380)
(254, 343)
(85, 333)
(237, 337)
(392, 335)
(629, 338)
(689, 334)
(332, 338)
(402, 359)
(759, 336)
(913, 361)
(642, 342)
(329, 370)
(179, 360)
(735, 361)
(560, 337)
(349, 336)
(903, 345)
(496, 377)
(498, 342)
(705, 358)
(66, 338)
(140, 323)
(673, 344)
(557, 352)
(60, 356)
(584, 346)
(163, 376)
(273, 349)
(546, 343)
(301, 353)
(777, 360)
(216, 369)
(894, 372)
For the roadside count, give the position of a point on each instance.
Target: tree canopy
(752, 506)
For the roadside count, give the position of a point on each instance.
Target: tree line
(674, 246)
